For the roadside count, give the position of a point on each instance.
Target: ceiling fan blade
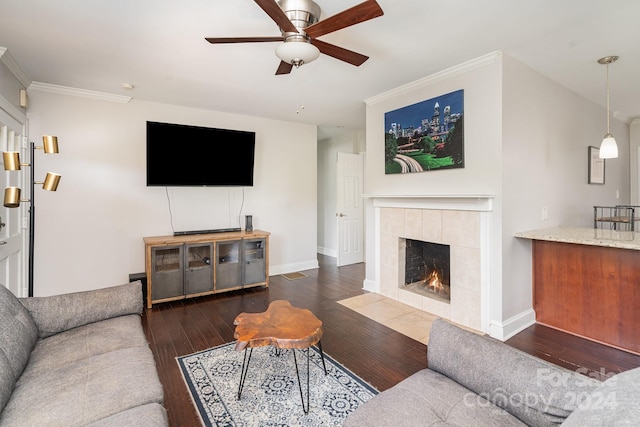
(215, 40)
(273, 10)
(340, 53)
(284, 68)
(359, 13)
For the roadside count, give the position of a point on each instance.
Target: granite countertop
(585, 236)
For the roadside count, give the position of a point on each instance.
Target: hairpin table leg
(322, 356)
(305, 408)
(245, 369)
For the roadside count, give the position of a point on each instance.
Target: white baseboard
(328, 252)
(505, 330)
(369, 285)
(274, 270)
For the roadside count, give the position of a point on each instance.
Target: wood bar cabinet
(587, 282)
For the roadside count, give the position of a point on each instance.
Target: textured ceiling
(159, 47)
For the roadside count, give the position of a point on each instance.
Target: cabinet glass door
(166, 275)
(254, 262)
(198, 271)
(228, 267)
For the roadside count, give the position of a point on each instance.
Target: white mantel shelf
(468, 202)
(428, 196)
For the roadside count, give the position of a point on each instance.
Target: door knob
(340, 215)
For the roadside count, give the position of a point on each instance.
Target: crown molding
(465, 67)
(82, 93)
(9, 61)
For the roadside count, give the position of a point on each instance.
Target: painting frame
(425, 136)
(596, 166)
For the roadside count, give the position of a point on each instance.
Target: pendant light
(608, 147)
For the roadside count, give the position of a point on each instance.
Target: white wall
(526, 140)
(547, 130)
(634, 160)
(482, 108)
(89, 233)
(349, 142)
(481, 81)
(12, 81)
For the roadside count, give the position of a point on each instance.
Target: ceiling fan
(300, 26)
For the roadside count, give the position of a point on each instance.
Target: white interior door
(12, 240)
(350, 211)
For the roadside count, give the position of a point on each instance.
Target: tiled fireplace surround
(461, 223)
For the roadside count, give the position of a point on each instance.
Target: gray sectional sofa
(475, 380)
(77, 359)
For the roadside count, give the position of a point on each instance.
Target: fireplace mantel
(467, 202)
(461, 221)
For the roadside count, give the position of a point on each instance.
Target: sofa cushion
(18, 334)
(151, 415)
(428, 398)
(613, 403)
(86, 341)
(57, 313)
(86, 391)
(537, 392)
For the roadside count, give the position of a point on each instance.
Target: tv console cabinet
(187, 266)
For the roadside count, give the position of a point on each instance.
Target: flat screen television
(182, 155)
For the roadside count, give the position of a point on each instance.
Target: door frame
(13, 235)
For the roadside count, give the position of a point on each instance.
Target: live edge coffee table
(284, 327)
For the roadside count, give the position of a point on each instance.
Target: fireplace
(462, 223)
(427, 269)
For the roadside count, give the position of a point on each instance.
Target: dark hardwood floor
(376, 353)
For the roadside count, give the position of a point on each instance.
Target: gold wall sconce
(11, 160)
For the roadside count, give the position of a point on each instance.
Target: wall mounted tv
(182, 155)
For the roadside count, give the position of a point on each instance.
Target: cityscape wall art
(425, 136)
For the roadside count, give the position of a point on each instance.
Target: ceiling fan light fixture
(297, 52)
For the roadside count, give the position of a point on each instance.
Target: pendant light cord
(608, 99)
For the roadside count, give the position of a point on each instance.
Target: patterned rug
(271, 395)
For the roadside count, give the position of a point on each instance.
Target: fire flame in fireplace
(433, 282)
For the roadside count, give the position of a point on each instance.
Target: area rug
(271, 395)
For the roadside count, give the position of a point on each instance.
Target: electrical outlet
(617, 194)
(545, 213)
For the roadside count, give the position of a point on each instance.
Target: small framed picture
(596, 166)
